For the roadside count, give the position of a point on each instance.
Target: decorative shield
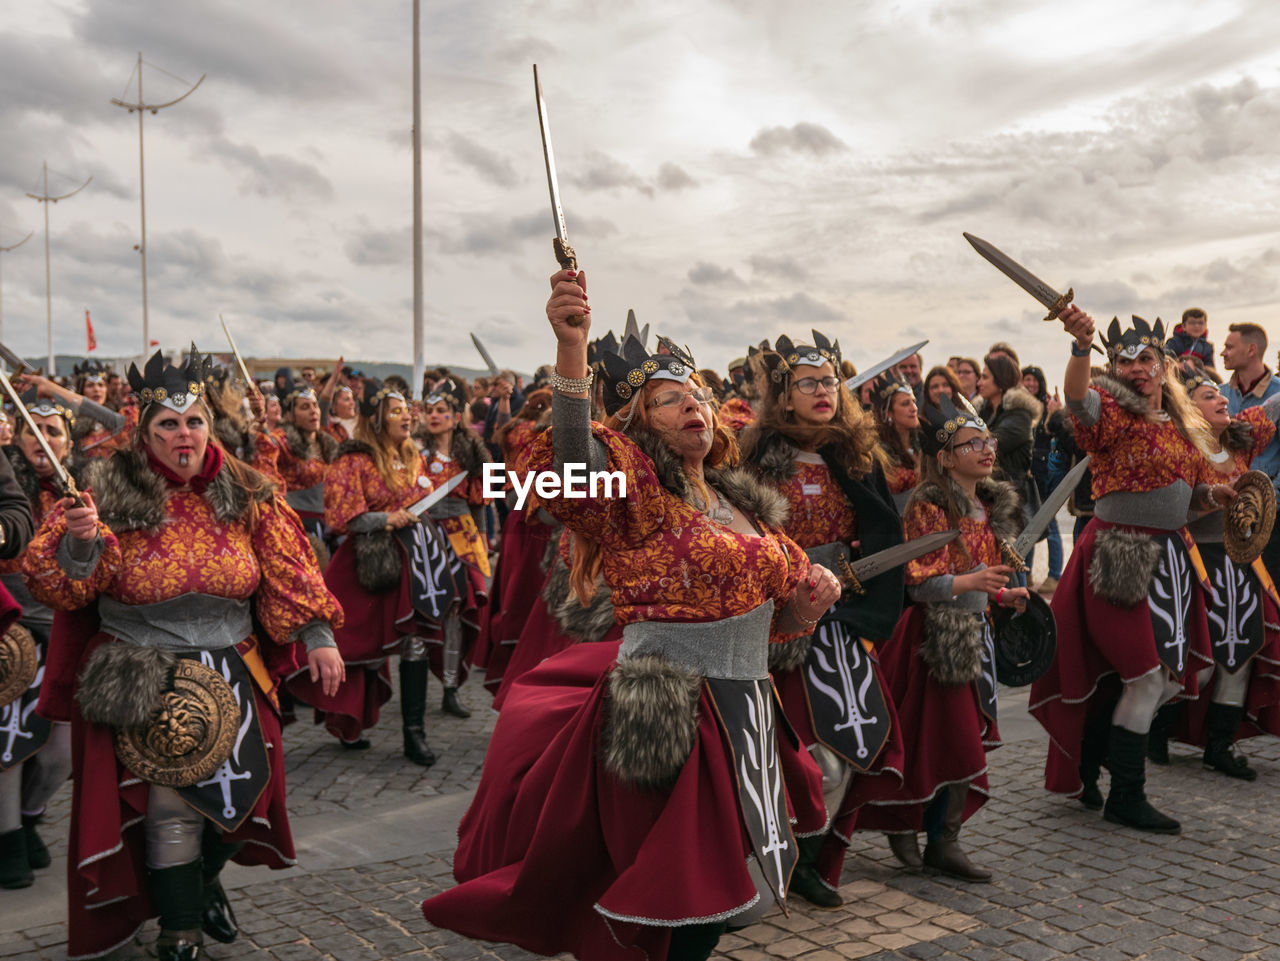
(19, 662)
(1247, 520)
(191, 735)
(1026, 642)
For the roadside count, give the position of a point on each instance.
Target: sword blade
(64, 479)
(878, 368)
(631, 328)
(899, 554)
(13, 360)
(1024, 278)
(1048, 510)
(418, 508)
(548, 154)
(249, 383)
(488, 359)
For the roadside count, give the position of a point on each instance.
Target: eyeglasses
(977, 446)
(670, 398)
(810, 385)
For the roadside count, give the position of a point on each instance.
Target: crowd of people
(698, 695)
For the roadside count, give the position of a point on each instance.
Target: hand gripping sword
(564, 253)
(1037, 288)
(1015, 554)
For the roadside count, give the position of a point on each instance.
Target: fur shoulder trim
(323, 448)
(1019, 398)
(353, 446)
(1238, 435)
(235, 440)
(1004, 508)
(772, 456)
(1125, 396)
(131, 496)
(468, 451)
(748, 492)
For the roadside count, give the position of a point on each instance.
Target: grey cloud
(491, 166)
(271, 175)
(772, 266)
(746, 320)
(380, 248)
(803, 138)
(603, 172)
(705, 274)
(1250, 280)
(673, 177)
(480, 234)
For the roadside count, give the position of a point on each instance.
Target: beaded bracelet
(571, 385)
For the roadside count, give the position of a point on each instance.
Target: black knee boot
(37, 853)
(413, 705)
(1093, 752)
(1127, 803)
(15, 867)
(806, 881)
(694, 942)
(218, 920)
(177, 895)
(944, 854)
(1158, 740)
(1220, 735)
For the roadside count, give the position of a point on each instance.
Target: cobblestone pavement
(1066, 885)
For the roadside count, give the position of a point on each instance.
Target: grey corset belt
(734, 648)
(1164, 508)
(189, 622)
(309, 500)
(448, 507)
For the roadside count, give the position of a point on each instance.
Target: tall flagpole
(5, 250)
(419, 347)
(46, 199)
(142, 107)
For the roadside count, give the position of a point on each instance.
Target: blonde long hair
(369, 430)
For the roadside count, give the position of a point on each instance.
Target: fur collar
(324, 447)
(466, 449)
(1238, 436)
(999, 498)
(1019, 398)
(771, 455)
(232, 438)
(131, 496)
(743, 490)
(1125, 396)
(25, 475)
(353, 446)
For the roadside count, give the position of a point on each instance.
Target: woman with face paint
(38, 760)
(187, 585)
(306, 452)
(1243, 604)
(368, 489)
(452, 448)
(97, 429)
(939, 663)
(1130, 607)
(638, 795)
(815, 444)
(898, 422)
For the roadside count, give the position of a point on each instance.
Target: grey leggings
(1141, 699)
(1228, 689)
(27, 787)
(172, 829)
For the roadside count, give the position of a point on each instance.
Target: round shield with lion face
(192, 734)
(19, 661)
(1247, 520)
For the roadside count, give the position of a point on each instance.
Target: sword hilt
(565, 254)
(1012, 559)
(847, 577)
(1061, 304)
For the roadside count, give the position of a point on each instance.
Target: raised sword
(64, 479)
(564, 253)
(1037, 288)
(488, 358)
(249, 383)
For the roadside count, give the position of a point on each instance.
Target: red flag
(88, 330)
(155, 343)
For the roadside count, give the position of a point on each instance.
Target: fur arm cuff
(368, 522)
(77, 558)
(1087, 411)
(940, 588)
(315, 635)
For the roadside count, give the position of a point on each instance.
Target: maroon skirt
(555, 854)
(1097, 640)
(945, 737)
(516, 585)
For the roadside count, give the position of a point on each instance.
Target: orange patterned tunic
(1132, 453)
(297, 473)
(194, 552)
(735, 413)
(664, 559)
(353, 487)
(901, 479)
(819, 512)
(1264, 429)
(469, 544)
(975, 545)
(47, 499)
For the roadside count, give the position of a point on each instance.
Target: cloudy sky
(731, 169)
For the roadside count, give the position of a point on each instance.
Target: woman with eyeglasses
(638, 796)
(967, 371)
(898, 424)
(1132, 631)
(818, 448)
(940, 660)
